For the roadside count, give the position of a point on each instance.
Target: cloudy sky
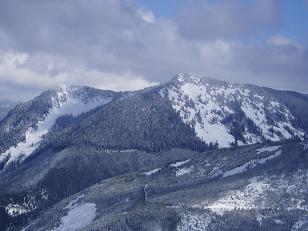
(131, 44)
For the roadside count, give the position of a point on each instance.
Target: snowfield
(256, 195)
(204, 103)
(63, 104)
(243, 199)
(79, 215)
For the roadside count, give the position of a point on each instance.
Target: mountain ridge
(151, 158)
(188, 90)
(219, 113)
(25, 125)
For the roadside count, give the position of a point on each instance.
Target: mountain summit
(189, 111)
(229, 112)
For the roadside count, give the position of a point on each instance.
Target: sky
(133, 44)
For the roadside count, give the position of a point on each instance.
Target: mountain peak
(188, 77)
(67, 88)
(196, 79)
(227, 112)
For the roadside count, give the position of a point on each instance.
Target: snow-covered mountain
(229, 112)
(149, 158)
(27, 124)
(189, 111)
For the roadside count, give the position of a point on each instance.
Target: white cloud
(14, 59)
(279, 40)
(109, 81)
(216, 52)
(146, 15)
(118, 45)
(14, 72)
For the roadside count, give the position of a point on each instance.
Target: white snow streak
(268, 149)
(151, 172)
(180, 163)
(251, 164)
(64, 104)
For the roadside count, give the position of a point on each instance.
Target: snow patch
(258, 195)
(194, 222)
(183, 171)
(251, 164)
(239, 199)
(198, 109)
(180, 163)
(79, 215)
(151, 172)
(268, 149)
(120, 150)
(278, 221)
(15, 210)
(282, 129)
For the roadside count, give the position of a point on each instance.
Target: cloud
(50, 25)
(147, 15)
(278, 40)
(118, 44)
(15, 74)
(204, 19)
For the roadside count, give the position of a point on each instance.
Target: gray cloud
(227, 19)
(49, 25)
(117, 44)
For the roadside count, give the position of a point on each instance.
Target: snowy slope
(65, 100)
(251, 164)
(218, 112)
(221, 111)
(175, 196)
